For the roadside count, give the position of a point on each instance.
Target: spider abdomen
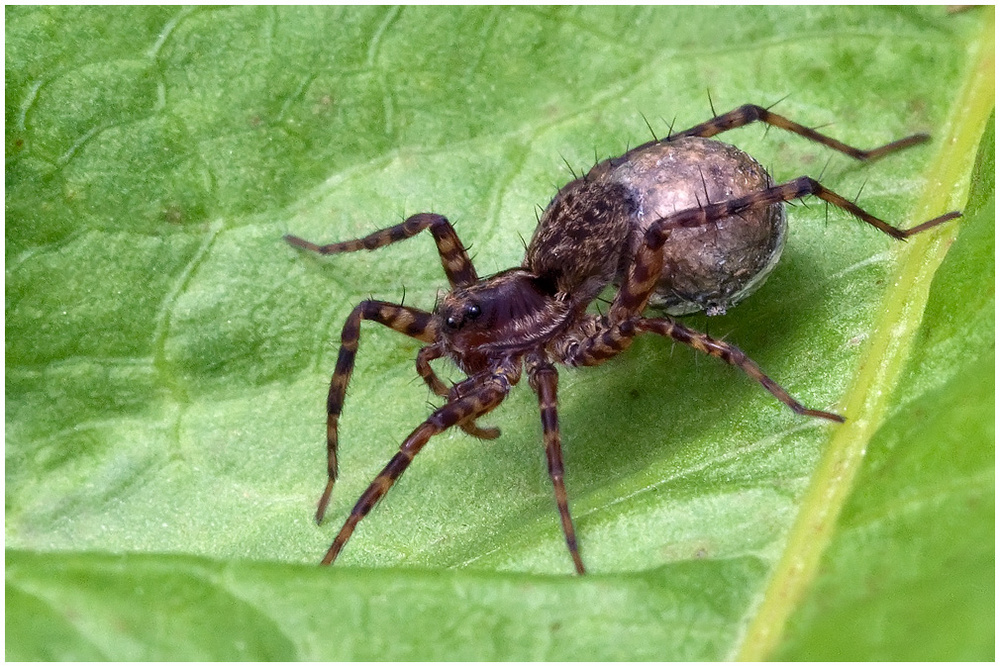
(707, 268)
(713, 267)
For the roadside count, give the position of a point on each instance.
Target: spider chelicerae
(679, 225)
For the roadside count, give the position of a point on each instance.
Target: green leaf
(167, 355)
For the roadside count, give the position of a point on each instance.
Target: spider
(680, 224)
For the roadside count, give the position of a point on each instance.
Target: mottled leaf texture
(168, 355)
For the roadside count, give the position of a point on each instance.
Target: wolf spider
(685, 223)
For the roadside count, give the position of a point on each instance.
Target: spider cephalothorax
(681, 224)
(504, 316)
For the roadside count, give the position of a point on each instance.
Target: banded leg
(610, 338)
(424, 358)
(644, 272)
(617, 331)
(729, 354)
(457, 265)
(614, 338)
(409, 321)
(485, 397)
(544, 380)
(640, 282)
(751, 113)
(784, 192)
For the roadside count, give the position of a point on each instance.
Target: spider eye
(466, 314)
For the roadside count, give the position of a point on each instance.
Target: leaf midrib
(884, 360)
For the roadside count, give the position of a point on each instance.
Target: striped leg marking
(640, 281)
(457, 265)
(729, 354)
(490, 392)
(545, 380)
(608, 341)
(424, 358)
(803, 186)
(410, 321)
(751, 113)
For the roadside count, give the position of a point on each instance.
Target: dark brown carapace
(680, 224)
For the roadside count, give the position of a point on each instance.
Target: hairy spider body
(685, 223)
(706, 268)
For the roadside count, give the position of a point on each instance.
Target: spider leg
(424, 358)
(729, 354)
(457, 265)
(794, 189)
(410, 321)
(614, 333)
(614, 338)
(544, 379)
(751, 113)
(644, 272)
(491, 389)
(609, 338)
